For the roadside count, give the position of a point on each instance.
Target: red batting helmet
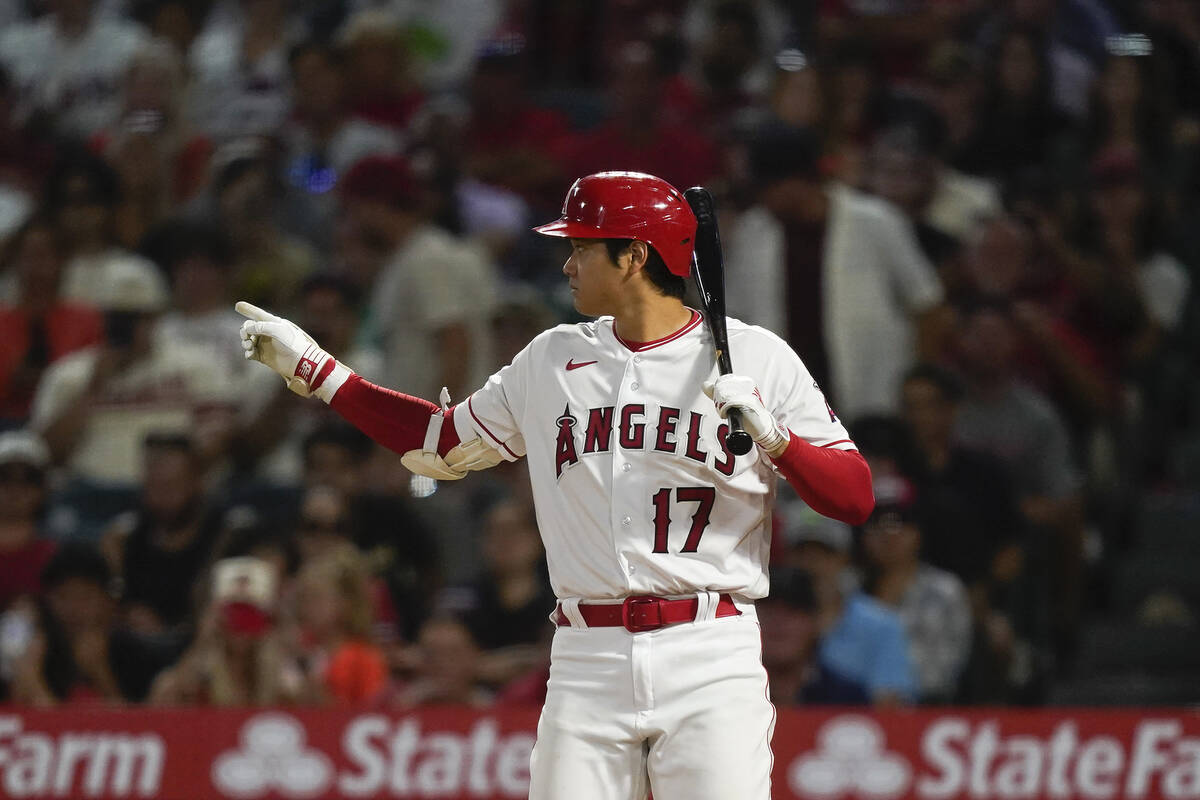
(629, 205)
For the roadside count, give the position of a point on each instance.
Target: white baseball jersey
(636, 493)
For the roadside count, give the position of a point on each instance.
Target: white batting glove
(740, 392)
(291, 352)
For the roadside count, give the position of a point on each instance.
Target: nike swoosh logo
(572, 365)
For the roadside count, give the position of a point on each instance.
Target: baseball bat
(708, 270)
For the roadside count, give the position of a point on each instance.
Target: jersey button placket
(627, 491)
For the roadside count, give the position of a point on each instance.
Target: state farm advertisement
(822, 754)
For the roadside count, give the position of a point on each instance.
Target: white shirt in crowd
(78, 79)
(875, 279)
(432, 281)
(168, 391)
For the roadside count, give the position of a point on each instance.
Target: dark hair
(174, 241)
(793, 586)
(339, 284)
(740, 14)
(947, 382)
(778, 151)
(339, 434)
(77, 560)
(104, 185)
(667, 282)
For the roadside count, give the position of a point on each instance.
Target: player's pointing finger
(253, 312)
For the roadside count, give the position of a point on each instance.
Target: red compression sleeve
(397, 421)
(835, 483)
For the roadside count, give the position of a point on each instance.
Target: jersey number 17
(703, 496)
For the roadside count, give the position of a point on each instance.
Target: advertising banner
(822, 754)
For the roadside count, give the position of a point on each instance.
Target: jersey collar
(638, 347)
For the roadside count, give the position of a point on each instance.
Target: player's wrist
(331, 377)
(775, 441)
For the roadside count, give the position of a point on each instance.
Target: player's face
(595, 281)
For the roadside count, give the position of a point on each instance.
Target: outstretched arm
(413, 427)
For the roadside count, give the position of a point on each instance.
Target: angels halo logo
(273, 758)
(850, 760)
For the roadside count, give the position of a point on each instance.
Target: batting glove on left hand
(291, 352)
(740, 392)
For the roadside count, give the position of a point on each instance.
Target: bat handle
(738, 440)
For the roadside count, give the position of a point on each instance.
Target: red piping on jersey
(839, 441)
(638, 347)
(396, 421)
(493, 436)
(835, 483)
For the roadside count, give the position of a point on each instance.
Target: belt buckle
(633, 617)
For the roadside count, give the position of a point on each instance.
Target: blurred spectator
(96, 406)
(510, 141)
(69, 63)
(197, 258)
(447, 662)
(729, 72)
(239, 657)
(955, 86)
(898, 30)
(521, 315)
(1012, 421)
(944, 206)
(857, 102)
(507, 606)
(798, 91)
(36, 326)
(862, 642)
(74, 653)
(381, 86)
(1018, 118)
(239, 69)
(162, 548)
(160, 160)
(24, 550)
(638, 134)
(702, 21)
(1070, 37)
(790, 643)
(330, 307)
(269, 264)
(838, 274)
(932, 603)
(82, 194)
(324, 522)
(333, 611)
(175, 21)
(432, 297)
(970, 524)
(323, 140)
(1125, 223)
(1129, 108)
(25, 154)
(339, 507)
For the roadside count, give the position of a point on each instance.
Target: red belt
(638, 614)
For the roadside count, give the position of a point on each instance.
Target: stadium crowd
(976, 221)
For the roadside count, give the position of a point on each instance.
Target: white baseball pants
(682, 711)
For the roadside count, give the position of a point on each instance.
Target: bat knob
(739, 442)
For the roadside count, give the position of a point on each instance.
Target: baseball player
(656, 535)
